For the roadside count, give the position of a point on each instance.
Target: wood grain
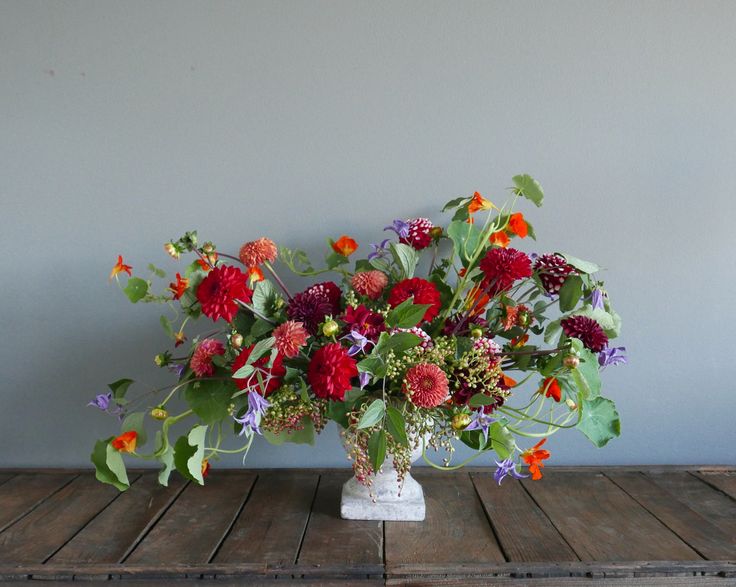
(602, 522)
(39, 534)
(455, 530)
(193, 528)
(271, 526)
(523, 529)
(725, 482)
(21, 493)
(706, 538)
(329, 538)
(115, 531)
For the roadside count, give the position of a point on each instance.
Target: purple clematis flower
(257, 405)
(507, 468)
(380, 250)
(481, 421)
(612, 356)
(102, 401)
(364, 379)
(359, 341)
(178, 368)
(596, 299)
(400, 227)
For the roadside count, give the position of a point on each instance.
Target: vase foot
(386, 502)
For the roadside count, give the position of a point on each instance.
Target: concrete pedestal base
(385, 503)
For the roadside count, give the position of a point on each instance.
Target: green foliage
(119, 388)
(134, 421)
(136, 289)
(166, 457)
(373, 415)
(503, 442)
(529, 188)
(582, 266)
(160, 273)
(189, 454)
(570, 293)
(480, 399)
(377, 448)
(407, 314)
(265, 298)
(109, 465)
(465, 238)
(398, 342)
(396, 425)
(209, 398)
(599, 420)
(405, 257)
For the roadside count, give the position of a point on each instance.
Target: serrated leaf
(599, 420)
(136, 289)
(377, 449)
(372, 415)
(571, 292)
(396, 425)
(405, 257)
(529, 187)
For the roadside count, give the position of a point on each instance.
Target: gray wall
(125, 123)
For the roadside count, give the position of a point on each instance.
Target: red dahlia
(219, 291)
(418, 235)
(587, 330)
(270, 377)
(330, 371)
(553, 270)
(311, 306)
(368, 323)
(502, 267)
(423, 292)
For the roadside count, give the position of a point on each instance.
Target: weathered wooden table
(614, 526)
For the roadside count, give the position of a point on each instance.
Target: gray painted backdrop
(125, 123)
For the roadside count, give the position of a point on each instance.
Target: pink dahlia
(257, 252)
(587, 330)
(201, 362)
(330, 371)
(553, 270)
(220, 291)
(502, 267)
(290, 337)
(426, 385)
(423, 292)
(418, 234)
(369, 283)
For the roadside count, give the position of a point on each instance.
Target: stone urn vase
(386, 498)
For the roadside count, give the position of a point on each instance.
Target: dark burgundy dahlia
(310, 307)
(553, 270)
(587, 330)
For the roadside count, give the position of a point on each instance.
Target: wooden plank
(524, 531)
(116, 530)
(706, 538)
(714, 506)
(601, 522)
(5, 477)
(564, 581)
(193, 528)
(39, 534)
(271, 526)
(329, 538)
(22, 493)
(455, 530)
(725, 482)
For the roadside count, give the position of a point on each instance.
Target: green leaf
(455, 203)
(209, 399)
(465, 238)
(570, 292)
(265, 298)
(407, 314)
(303, 436)
(134, 421)
(244, 372)
(606, 320)
(166, 458)
(377, 449)
(136, 289)
(503, 441)
(156, 271)
(119, 388)
(580, 265)
(166, 325)
(398, 342)
(480, 399)
(552, 332)
(396, 425)
(109, 466)
(374, 365)
(260, 349)
(600, 420)
(529, 187)
(373, 414)
(335, 260)
(260, 327)
(189, 453)
(405, 257)
(588, 368)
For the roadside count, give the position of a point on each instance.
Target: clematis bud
(476, 333)
(159, 413)
(571, 404)
(460, 421)
(236, 340)
(571, 361)
(172, 250)
(330, 328)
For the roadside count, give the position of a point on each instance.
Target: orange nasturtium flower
(519, 341)
(345, 246)
(500, 239)
(478, 203)
(120, 267)
(125, 442)
(534, 457)
(205, 468)
(551, 388)
(255, 274)
(477, 301)
(508, 381)
(518, 225)
(179, 287)
(211, 260)
(179, 338)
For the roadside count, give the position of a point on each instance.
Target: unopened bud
(571, 404)
(236, 340)
(161, 360)
(208, 248)
(460, 421)
(476, 333)
(172, 250)
(330, 328)
(435, 232)
(571, 361)
(159, 413)
(523, 319)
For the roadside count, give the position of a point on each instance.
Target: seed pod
(330, 328)
(460, 421)
(571, 361)
(159, 413)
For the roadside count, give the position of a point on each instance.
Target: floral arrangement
(492, 347)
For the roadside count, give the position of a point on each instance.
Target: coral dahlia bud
(369, 283)
(258, 252)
